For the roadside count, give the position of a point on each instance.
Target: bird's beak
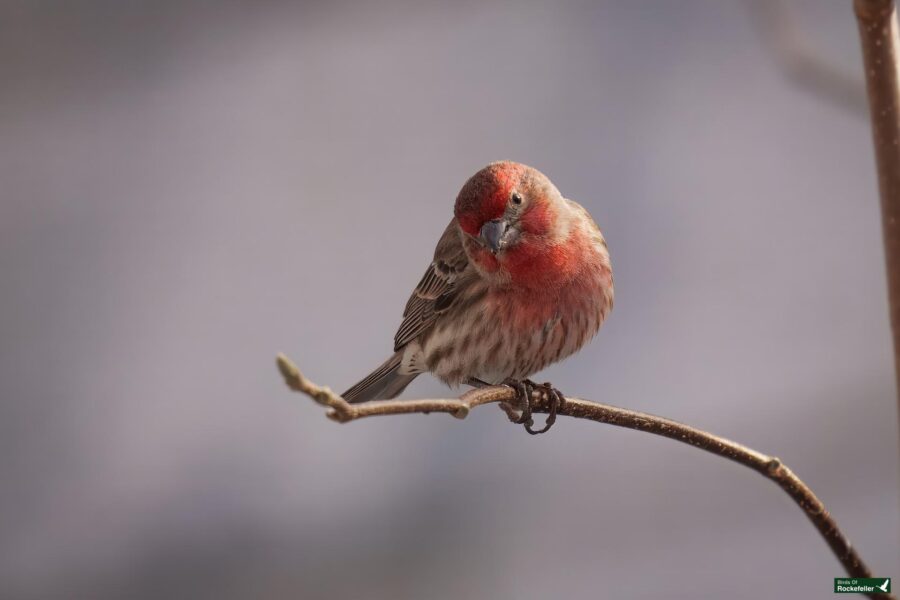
(497, 234)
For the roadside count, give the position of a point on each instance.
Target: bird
(521, 278)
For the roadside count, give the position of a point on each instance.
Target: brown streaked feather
(437, 289)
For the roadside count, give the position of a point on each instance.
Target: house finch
(520, 279)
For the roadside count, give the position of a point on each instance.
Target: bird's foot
(526, 403)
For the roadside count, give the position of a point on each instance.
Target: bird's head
(513, 220)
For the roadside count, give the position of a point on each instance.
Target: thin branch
(800, 61)
(878, 36)
(772, 468)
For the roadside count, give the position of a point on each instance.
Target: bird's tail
(383, 383)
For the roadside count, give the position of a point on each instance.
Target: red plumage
(521, 278)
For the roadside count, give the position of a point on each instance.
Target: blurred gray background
(189, 187)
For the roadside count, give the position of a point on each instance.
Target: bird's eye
(516, 198)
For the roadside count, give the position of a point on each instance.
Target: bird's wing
(437, 290)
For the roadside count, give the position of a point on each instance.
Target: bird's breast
(497, 332)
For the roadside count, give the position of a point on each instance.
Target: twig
(800, 61)
(768, 466)
(878, 35)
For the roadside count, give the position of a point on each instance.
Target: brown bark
(768, 466)
(878, 35)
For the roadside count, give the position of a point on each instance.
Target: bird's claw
(526, 404)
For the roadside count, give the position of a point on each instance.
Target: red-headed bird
(520, 279)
